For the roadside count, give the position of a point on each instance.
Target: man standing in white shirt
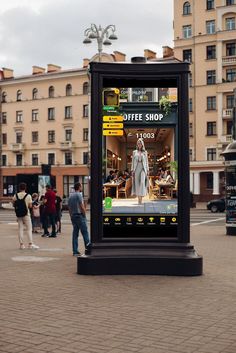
(25, 220)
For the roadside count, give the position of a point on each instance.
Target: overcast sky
(41, 32)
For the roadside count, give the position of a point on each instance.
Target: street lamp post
(104, 36)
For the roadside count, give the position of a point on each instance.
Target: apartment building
(205, 35)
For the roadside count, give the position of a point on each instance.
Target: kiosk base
(157, 259)
(230, 230)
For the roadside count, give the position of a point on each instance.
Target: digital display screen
(140, 162)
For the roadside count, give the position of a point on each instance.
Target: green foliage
(165, 104)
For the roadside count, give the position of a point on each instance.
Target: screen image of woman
(140, 171)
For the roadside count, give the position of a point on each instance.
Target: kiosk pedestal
(137, 227)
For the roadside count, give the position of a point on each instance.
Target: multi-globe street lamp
(104, 36)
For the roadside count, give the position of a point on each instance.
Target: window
(68, 112)
(190, 104)
(51, 113)
(211, 154)
(51, 136)
(19, 159)
(18, 137)
(18, 95)
(211, 52)
(68, 158)
(229, 126)
(35, 136)
(211, 103)
(4, 160)
(85, 157)
(210, 27)
(231, 75)
(209, 181)
(51, 158)
(187, 55)
(4, 97)
(35, 93)
(85, 110)
(4, 117)
(85, 134)
(230, 23)
(68, 89)
(190, 154)
(229, 2)
(230, 102)
(190, 79)
(51, 92)
(35, 159)
(211, 77)
(210, 4)
(187, 31)
(69, 182)
(4, 139)
(19, 116)
(230, 49)
(211, 128)
(9, 183)
(85, 88)
(190, 129)
(35, 115)
(68, 135)
(186, 8)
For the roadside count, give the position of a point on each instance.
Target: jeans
(49, 217)
(79, 223)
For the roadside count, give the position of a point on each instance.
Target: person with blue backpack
(22, 203)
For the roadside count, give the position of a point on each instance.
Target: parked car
(217, 205)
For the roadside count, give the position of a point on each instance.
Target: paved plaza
(46, 307)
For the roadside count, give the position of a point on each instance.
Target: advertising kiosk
(140, 195)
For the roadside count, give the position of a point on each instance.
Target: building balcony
(18, 147)
(227, 113)
(67, 145)
(229, 60)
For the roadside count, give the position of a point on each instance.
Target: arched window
(19, 95)
(68, 89)
(35, 93)
(4, 97)
(51, 92)
(85, 88)
(186, 8)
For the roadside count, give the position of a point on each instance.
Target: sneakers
(33, 247)
(77, 254)
(45, 235)
(22, 247)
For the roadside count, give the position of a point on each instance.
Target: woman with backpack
(23, 203)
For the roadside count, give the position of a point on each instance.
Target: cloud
(42, 32)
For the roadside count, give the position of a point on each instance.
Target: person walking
(58, 212)
(35, 213)
(49, 212)
(23, 203)
(77, 213)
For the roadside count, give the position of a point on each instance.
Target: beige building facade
(45, 127)
(205, 35)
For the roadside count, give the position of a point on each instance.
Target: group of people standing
(46, 212)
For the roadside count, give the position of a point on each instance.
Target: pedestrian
(23, 203)
(35, 213)
(58, 212)
(78, 218)
(49, 212)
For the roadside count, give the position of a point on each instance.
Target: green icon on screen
(108, 203)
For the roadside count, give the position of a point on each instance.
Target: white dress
(139, 167)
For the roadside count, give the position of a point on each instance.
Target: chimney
(53, 68)
(119, 56)
(37, 70)
(85, 62)
(167, 52)
(149, 54)
(7, 73)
